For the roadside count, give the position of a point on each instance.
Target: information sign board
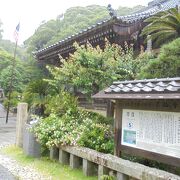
(154, 131)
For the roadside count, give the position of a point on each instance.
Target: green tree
(32, 71)
(5, 59)
(163, 26)
(41, 37)
(6, 77)
(9, 46)
(36, 94)
(24, 71)
(167, 64)
(92, 69)
(6, 65)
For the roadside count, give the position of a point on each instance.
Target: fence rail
(95, 163)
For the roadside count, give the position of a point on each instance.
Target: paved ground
(7, 136)
(5, 174)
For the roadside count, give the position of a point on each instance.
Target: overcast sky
(31, 12)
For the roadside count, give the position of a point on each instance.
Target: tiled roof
(167, 85)
(159, 5)
(166, 88)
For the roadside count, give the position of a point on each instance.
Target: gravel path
(5, 174)
(21, 172)
(10, 169)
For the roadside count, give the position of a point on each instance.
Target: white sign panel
(154, 131)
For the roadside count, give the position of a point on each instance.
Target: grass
(46, 166)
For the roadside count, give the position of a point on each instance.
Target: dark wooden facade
(114, 30)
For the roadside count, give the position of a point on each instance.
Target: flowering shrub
(79, 128)
(98, 137)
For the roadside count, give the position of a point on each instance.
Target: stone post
(22, 114)
(121, 176)
(89, 168)
(30, 146)
(54, 153)
(75, 161)
(102, 170)
(64, 157)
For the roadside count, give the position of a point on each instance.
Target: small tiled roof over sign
(166, 88)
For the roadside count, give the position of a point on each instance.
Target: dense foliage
(9, 46)
(73, 20)
(74, 126)
(167, 64)
(14, 72)
(163, 26)
(6, 66)
(65, 123)
(21, 75)
(35, 95)
(88, 70)
(92, 69)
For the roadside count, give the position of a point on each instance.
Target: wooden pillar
(110, 109)
(22, 114)
(117, 128)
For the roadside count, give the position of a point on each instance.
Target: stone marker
(22, 115)
(30, 146)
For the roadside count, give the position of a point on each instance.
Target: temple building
(117, 29)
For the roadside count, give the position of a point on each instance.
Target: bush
(15, 99)
(61, 103)
(167, 64)
(79, 128)
(98, 137)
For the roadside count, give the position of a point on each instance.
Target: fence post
(22, 114)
